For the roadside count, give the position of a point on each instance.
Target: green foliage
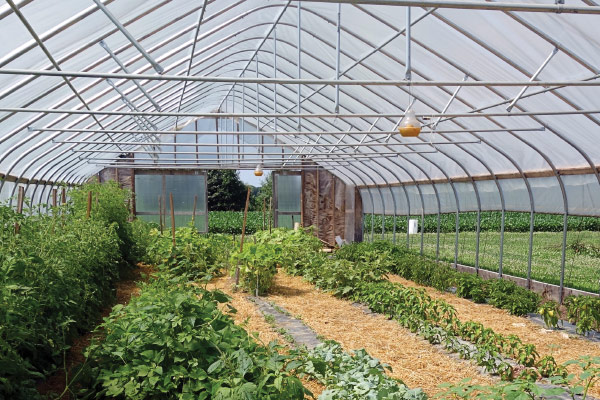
(264, 193)
(230, 222)
(351, 377)
(583, 311)
(257, 265)
(550, 313)
(55, 276)
(511, 297)
(173, 342)
(194, 255)
(517, 390)
(108, 206)
(226, 192)
(490, 221)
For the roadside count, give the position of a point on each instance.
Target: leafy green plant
(355, 376)
(583, 311)
(550, 313)
(257, 266)
(173, 342)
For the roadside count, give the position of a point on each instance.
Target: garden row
(192, 349)
(231, 222)
(490, 221)
(364, 281)
(56, 275)
(582, 311)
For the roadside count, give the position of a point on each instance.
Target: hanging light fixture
(410, 125)
(259, 170)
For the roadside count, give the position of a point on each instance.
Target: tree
(226, 191)
(265, 191)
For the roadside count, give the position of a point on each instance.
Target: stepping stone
(302, 334)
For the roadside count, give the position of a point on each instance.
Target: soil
(126, 288)
(557, 343)
(413, 360)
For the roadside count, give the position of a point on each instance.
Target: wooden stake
(63, 196)
(237, 269)
(264, 212)
(160, 218)
(194, 212)
(172, 217)
(89, 205)
(245, 218)
(270, 213)
(20, 197)
(54, 197)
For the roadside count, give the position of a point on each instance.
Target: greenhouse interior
(416, 211)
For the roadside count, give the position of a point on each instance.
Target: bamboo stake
(264, 211)
(270, 213)
(245, 218)
(89, 205)
(194, 212)
(237, 269)
(160, 216)
(20, 197)
(172, 217)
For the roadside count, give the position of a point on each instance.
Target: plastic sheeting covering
(448, 45)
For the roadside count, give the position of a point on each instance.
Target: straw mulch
(548, 342)
(412, 359)
(251, 319)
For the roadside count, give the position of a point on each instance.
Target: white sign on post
(413, 226)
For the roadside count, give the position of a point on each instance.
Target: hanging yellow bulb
(259, 170)
(410, 126)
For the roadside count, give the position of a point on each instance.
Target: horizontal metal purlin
(475, 5)
(276, 145)
(527, 174)
(268, 133)
(292, 81)
(246, 159)
(268, 155)
(25, 181)
(284, 115)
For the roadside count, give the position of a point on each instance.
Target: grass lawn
(582, 266)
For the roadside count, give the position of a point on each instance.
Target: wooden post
(264, 211)
(194, 212)
(172, 217)
(270, 213)
(333, 210)
(160, 217)
(63, 196)
(245, 218)
(302, 198)
(20, 197)
(237, 269)
(318, 205)
(89, 205)
(54, 197)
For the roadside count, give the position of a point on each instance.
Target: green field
(582, 265)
